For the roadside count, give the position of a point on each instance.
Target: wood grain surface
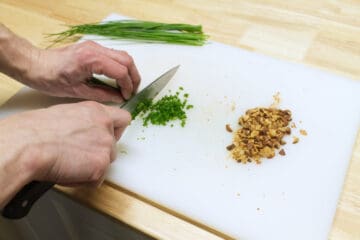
(324, 34)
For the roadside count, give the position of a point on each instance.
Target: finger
(117, 133)
(110, 68)
(77, 184)
(98, 93)
(100, 182)
(125, 59)
(128, 92)
(85, 184)
(121, 118)
(113, 153)
(103, 177)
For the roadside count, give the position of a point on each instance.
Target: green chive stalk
(177, 33)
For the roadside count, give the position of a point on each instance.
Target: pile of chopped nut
(260, 135)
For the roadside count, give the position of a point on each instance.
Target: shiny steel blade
(150, 91)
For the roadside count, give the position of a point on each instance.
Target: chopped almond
(282, 152)
(261, 133)
(295, 140)
(228, 128)
(230, 147)
(303, 132)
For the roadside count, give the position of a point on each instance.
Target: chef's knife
(21, 204)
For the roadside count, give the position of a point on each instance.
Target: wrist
(20, 160)
(17, 55)
(14, 172)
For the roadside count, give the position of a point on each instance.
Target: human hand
(64, 72)
(68, 144)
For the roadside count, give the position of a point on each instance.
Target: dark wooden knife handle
(21, 204)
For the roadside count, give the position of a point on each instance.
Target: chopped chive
(168, 108)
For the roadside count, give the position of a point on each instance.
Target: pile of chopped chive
(168, 108)
(177, 33)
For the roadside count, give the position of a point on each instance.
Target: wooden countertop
(321, 33)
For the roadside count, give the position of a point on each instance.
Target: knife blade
(150, 91)
(21, 204)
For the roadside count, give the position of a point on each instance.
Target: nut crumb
(237, 194)
(293, 125)
(261, 133)
(230, 147)
(295, 140)
(303, 132)
(228, 128)
(282, 152)
(277, 100)
(233, 106)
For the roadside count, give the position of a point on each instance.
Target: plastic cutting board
(189, 170)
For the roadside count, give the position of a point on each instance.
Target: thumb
(121, 119)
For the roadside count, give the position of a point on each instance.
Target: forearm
(16, 54)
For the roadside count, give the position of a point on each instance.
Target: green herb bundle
(138, 30)
(168, 108)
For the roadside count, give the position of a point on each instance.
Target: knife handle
(20, 205)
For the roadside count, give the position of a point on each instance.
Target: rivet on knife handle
(21, 204)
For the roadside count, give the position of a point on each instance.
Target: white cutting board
(189, 170)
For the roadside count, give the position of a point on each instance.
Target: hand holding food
(65, 72)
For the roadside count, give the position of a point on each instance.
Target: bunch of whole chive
(168, 108)
(177, 33)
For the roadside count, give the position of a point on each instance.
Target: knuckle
(86, 51)
(123, 71)
(106, 121)
(128, 60)
(108, 141)
(83, 54)
(94, 111)
(92, 105)
(89, 43)
(124, 53)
